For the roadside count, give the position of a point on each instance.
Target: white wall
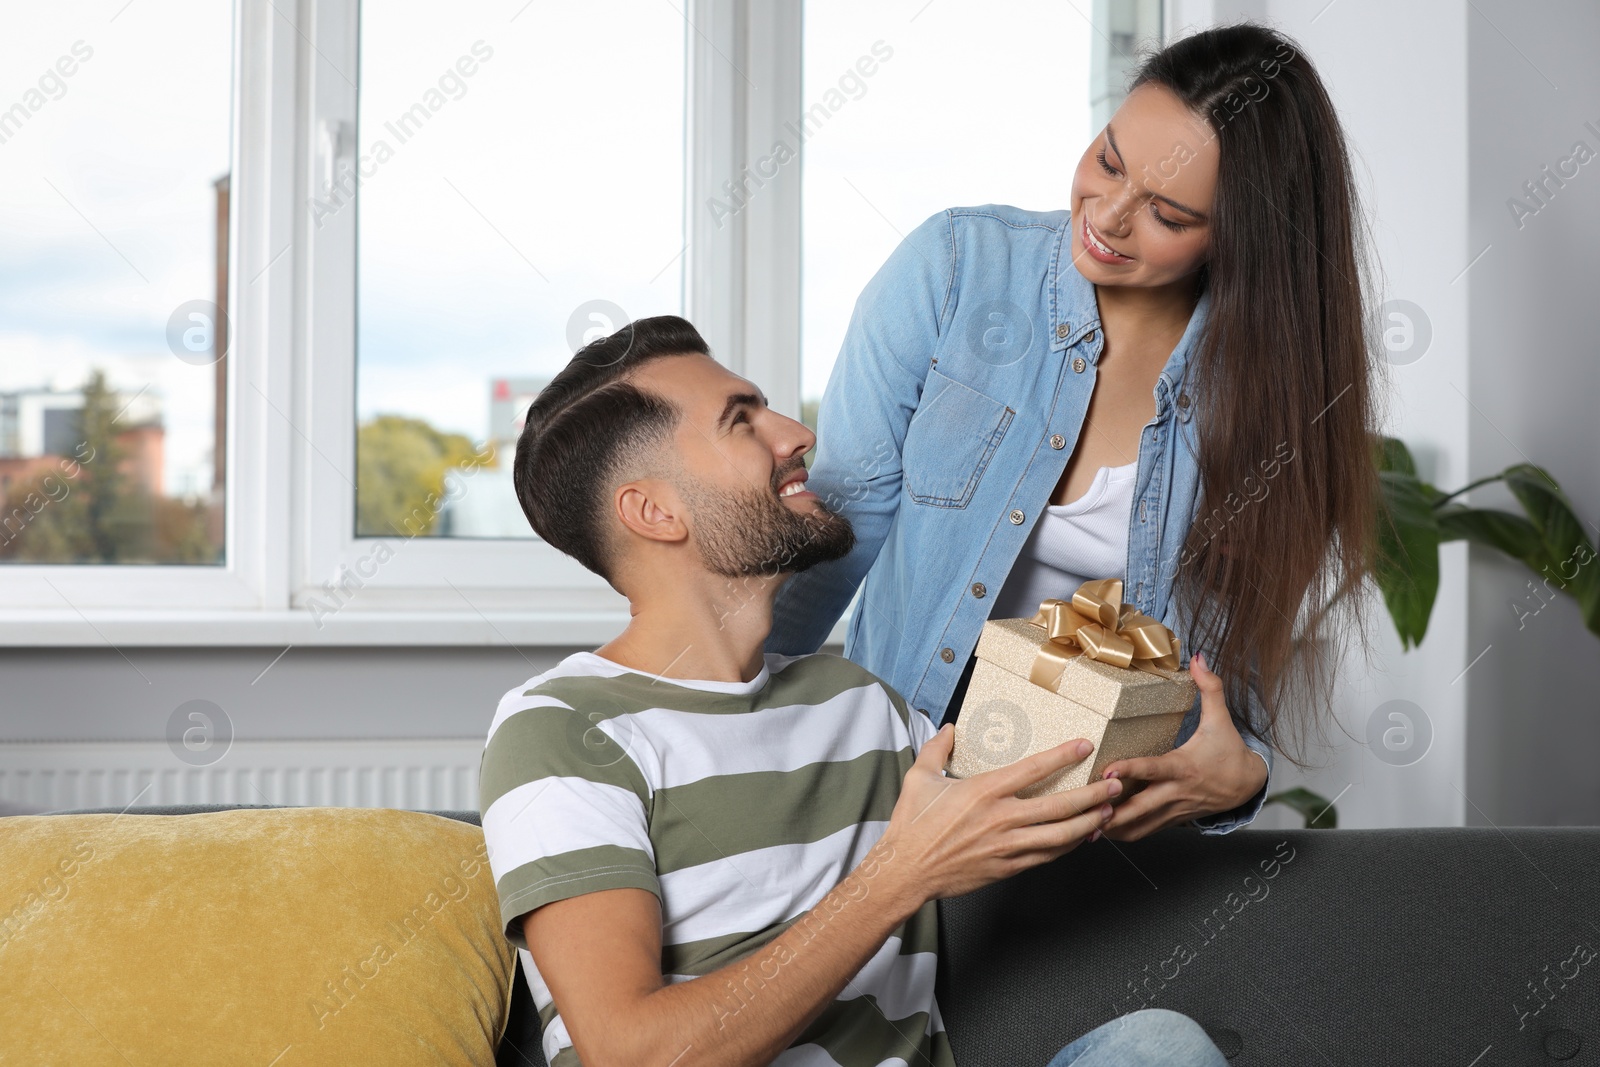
(1398, 75)
(1451, 107)
(1534, 703)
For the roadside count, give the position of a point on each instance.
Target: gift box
(1090, 667)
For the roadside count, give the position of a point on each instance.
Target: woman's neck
(1136, 316)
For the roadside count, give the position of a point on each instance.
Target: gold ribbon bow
(1096, 623)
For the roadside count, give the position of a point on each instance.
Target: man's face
(741, 473)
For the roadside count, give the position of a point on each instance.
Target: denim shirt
(955, 404)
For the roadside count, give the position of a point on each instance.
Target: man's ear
(651, 508)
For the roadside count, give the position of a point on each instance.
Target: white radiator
(430, 774)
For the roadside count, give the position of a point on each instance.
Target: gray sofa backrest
(1463, 946)
(1432, 946)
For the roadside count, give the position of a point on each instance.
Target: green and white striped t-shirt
(738, 804)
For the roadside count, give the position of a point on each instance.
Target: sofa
(1466, 946)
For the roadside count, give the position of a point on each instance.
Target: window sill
(146, 629)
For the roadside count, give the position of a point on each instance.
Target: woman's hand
(1212, 771)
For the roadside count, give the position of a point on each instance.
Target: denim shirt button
(1017, 517)
(980, 590)
(1064, 329)
(1078, 364)
(1089, 336)
(947, 654)
(1057, 441)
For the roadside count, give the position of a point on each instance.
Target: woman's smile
(1097, 248)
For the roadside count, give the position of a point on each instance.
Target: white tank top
(1071, 544)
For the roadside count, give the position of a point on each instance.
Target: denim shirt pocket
(951, 439)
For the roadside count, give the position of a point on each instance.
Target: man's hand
(950, 836)
(1212, 771)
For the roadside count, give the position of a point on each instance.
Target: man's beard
(750, 532)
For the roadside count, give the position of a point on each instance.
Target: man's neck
(713, 635)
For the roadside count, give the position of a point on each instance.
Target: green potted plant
(1416, 518)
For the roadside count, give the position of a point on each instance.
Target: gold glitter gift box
(1124, 711)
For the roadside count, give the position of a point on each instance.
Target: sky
(550, 176)
(556, 177)
(106, 201)
(982, 102)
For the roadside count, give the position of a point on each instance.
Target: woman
(1170, 384)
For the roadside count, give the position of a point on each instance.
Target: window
(327, 253)
(113, 329)
(491, 189)
(900, 136)
(520, 193)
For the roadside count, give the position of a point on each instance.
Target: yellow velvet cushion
(278, 937)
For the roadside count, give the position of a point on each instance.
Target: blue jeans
(1151, 1036)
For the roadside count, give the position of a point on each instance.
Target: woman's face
(1142, 194)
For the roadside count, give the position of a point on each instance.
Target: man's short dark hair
(586, 425)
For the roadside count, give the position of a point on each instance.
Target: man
(708, 855)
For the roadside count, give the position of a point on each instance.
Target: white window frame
(732, 297)
(74, 604)
(291, 426)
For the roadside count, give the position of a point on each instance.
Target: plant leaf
(1393, 455)
(1569, 557)
(1407, 567)
(1315, 808)
(1492, 528)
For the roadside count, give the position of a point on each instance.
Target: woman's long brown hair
(1271, 575)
